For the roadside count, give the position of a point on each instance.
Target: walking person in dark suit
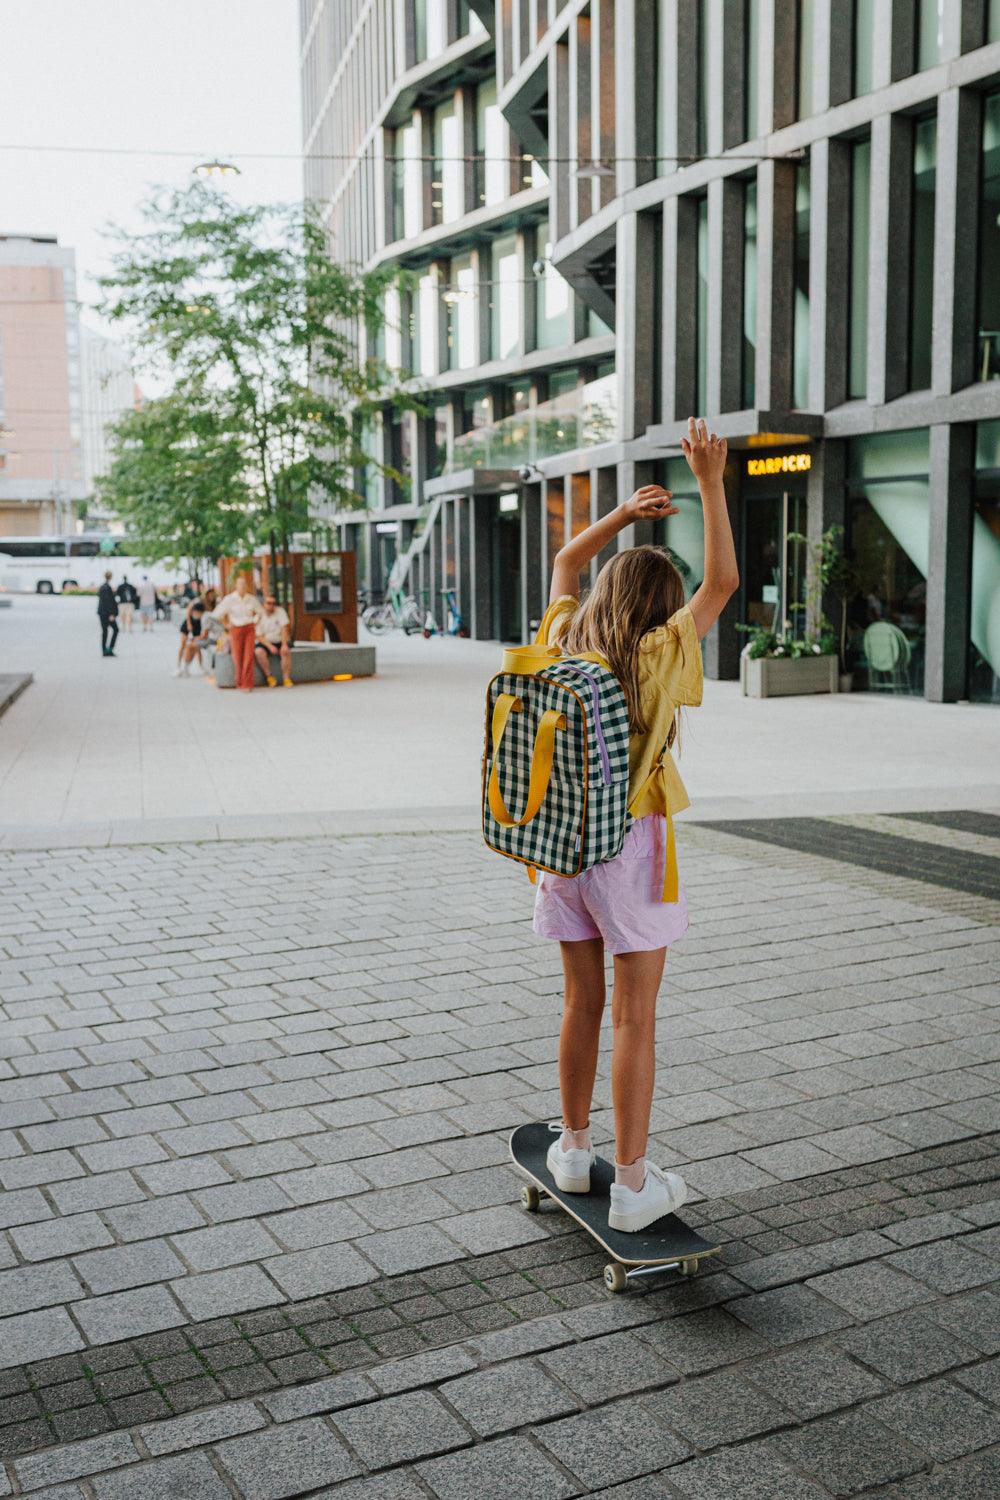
(107, 613)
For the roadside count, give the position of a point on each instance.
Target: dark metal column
(949, 567)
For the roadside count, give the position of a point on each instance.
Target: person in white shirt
(147, 602)
(239, 611)
(273, 630)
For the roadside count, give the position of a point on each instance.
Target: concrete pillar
(580, 134)
(676, 80)
(679, 309)
(633, 134)
(829, 260)
(833, 61)
(632, 476)
(561, 182)
(463, 560)
(603, 499)
(775, 293)
(724, 355)
(949, 562)
(532, 581)
(481, 604)
(889, 257)
(826, 506)
(466, 108)
(635, 323)
(956, 241)
(777, 66)
(604, 95)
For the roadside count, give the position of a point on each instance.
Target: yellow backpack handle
(541, 759)
(534, 658)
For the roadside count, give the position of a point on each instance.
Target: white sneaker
(570, 1169)
(178, 672)
(662, 1193)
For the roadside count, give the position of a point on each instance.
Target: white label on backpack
(577, 846)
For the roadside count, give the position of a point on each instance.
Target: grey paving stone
(507, 1469)
(490, 1229)
(947, 1266)
(76, 1460)
(421, 1369)
(788, 1314)
(909, 1346)
(507, 1396)
(30, 1287)
(399, 1250)
(748, 1472)
(140, 1221)
(976, 1479)
(201, 1427)
(287, 1460)
(224, 1245)
(37, 1335)
(330, 1268)
(318, 1396)
(399, 1429)
(939, 1419)
(399, 1485)
(216, 1293)
(703, 1340)
(132, 1265)
(64, 1236)
(849, 1452)
(187, 1477)
(814, 1380)
(984, 1379)
(610, 1445)
(321, 1224)
(871, 1290)
(126, 1315)
(525, 1338)
(716, 1410)
(602, 1368)
(974, 1318)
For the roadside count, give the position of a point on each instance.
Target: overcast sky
(208, 78)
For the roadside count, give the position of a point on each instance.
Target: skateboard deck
(667, 1244)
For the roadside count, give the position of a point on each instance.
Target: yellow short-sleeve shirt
(670, 677)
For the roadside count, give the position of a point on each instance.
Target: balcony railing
(576, 419)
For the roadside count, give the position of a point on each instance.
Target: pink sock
(633, 1176)
(575, 1140)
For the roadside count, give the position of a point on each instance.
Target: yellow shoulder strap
(541, 760)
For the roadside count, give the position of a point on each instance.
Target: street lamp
(217, 169)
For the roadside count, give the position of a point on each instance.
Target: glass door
(774, 563)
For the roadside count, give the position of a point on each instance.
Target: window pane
(864, 45)
(685, 533)
(993, 21)
(446, 185)
(922, 253)
(462, 305)
(984, 624)
(407, 182)
(505, 297)
(491, 169)
(857, 375)
(800, 371)
(426, 362)
(749, 291)
(552, 304)
(555, 516)
(930, 22)
(702, 340)
(804, 106)
(580, 493)
(430, 27)
(596, 326)
(988, 343)
(392, 330)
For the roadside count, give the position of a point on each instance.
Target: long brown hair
(635, 592)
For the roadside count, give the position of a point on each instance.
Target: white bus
(55, 564)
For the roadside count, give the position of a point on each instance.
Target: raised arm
(706, 456)
(651, 503)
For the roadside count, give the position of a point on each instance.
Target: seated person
(194, 632)
(273, 631)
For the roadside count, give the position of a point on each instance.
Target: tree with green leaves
(254, 328)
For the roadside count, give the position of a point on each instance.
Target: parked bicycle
(398, 611)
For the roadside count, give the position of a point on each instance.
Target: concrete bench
(310, 663)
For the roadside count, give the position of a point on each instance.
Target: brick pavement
(258, 1237)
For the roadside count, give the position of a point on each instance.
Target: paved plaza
(260, 1238)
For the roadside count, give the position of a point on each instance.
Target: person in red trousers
(239, 611)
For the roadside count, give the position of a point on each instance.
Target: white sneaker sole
(631, 1223)
(567, 1184)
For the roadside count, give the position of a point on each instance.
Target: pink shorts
(619, 901)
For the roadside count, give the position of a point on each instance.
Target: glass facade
(462, 304)
(426, 355)
(579, 503)
(491, 147)
(984, 624)
(922, 252)
(446, 186)
(430, 19)
(800, 326)
(988, 331)
(555, 517)
(888, 541)
(407, 182)
(701, 340)
(684, 534)
(804, 63)
(505, 297)
(749, 292)
(857, 358)
(553, 311)
(930, 33)
(865, 12)
(993, 21)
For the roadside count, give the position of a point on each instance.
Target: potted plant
(773, 665)
(830, 571)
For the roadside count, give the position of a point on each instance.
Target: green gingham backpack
(555, 771)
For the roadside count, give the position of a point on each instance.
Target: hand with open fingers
(651, 503)
(705, 453)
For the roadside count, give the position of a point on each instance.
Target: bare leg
(263, 661)
(633, 1058)
(583, 966)
(286, 663)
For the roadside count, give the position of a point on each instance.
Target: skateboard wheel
(615, 1277)
(688, 1267)
(530, 1198)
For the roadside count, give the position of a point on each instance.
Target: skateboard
(666, 1245)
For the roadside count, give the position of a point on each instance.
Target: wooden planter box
(777, 677)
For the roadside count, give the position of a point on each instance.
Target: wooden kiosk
(322, 599)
